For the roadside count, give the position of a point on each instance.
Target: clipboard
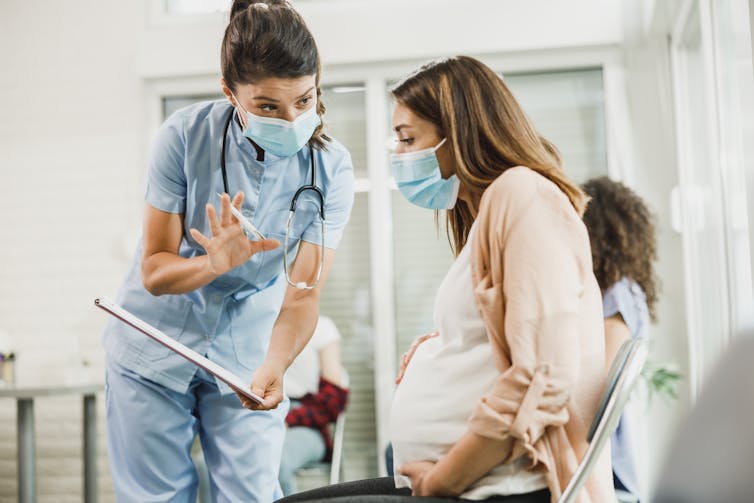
(228, 377)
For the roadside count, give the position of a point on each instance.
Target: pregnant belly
(438, 393)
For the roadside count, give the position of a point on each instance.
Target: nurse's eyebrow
(267, 98)
(307, 92)
(398, 128)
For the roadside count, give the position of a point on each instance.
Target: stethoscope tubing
(301, 285)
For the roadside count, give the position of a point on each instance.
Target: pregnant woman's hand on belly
(422, 481)
(406, 358)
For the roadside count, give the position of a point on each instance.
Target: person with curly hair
(622, 235)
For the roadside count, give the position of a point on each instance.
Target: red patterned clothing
(318, 411)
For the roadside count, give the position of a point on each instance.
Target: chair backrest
(337, 437)
(624, 372)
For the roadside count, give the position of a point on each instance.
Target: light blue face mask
(279, 136)
(418, 177)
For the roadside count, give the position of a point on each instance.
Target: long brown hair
(622, 234)
(471, 106)
(270, 39)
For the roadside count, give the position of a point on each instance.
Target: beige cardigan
(533, 281)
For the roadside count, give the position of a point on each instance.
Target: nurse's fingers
(245, 401)
(199, 238)
(268, 402)
(238, 199)
(263, 245)
(214, 224)
(225, 215)
(271, 401)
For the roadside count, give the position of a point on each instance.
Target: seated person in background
(622, 237)
(314, 384)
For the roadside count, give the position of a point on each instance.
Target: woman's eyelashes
(272, 108)
(407, 141)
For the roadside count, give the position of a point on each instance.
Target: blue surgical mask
(418, 177)
(279, 136)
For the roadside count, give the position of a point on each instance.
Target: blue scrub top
(625, 297)
(229, 320)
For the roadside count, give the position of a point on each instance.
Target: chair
(335, 466)
(623, 374)
(336, 469)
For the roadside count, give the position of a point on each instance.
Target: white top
(302, 376)
(443, 382)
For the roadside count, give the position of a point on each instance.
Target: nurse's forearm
(165, 272)
(293, 329)
(470, 459)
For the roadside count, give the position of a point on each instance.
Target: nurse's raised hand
(228, 247)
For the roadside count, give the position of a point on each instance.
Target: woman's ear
(227, 92)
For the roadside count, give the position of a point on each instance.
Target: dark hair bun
(241, 5)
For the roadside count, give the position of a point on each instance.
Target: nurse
(197, 277)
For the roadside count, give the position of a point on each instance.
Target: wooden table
(27, 469)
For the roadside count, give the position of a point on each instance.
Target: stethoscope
(301, 285)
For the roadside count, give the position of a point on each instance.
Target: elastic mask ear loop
(437, 147)
(245, 113)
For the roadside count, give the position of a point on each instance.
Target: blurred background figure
(712, 454)
(316, 385)
(622, 236)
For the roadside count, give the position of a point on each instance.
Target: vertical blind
(347, 295)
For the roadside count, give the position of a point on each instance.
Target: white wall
(71, 161)
(358, 31)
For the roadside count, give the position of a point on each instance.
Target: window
(568, 108)
(712, 79)
(347, 294)
(346, 298)
(735, 95)
(345, 120)
(194, 7)
(171, 104)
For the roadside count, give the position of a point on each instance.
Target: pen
(245, 224)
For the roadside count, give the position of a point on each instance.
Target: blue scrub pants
(150, 429)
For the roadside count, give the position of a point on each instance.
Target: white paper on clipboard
(228, 377)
